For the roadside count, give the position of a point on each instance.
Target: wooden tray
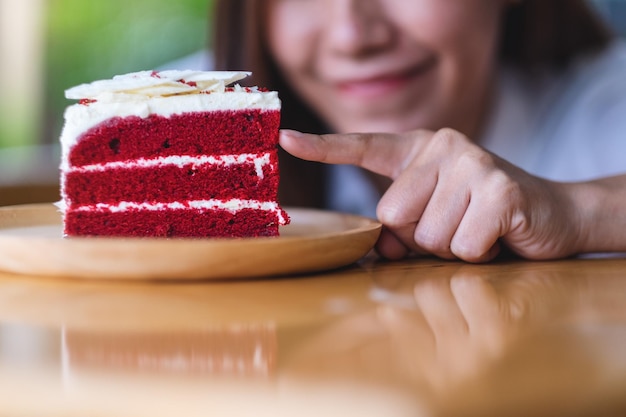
(31, 242)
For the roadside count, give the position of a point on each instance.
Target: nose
(357, 27)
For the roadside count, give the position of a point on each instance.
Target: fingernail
(292, 133)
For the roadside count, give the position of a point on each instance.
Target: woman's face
(389, 65)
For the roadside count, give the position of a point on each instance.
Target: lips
(372, 87)
(382, 83)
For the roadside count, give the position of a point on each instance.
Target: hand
(451, 198)
(458, 326)
(461, 320)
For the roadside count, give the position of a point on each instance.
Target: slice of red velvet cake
(171, 154)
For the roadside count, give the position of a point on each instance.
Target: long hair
(535, 35)
(539, 34)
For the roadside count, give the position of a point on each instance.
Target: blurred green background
(94, 39)
(81, 41)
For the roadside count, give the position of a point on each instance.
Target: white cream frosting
(233, 206)
(154, 84)
(143, 94)
(180, 161)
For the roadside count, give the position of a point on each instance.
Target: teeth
(150, 83)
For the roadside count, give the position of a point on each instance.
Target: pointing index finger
(382, 153)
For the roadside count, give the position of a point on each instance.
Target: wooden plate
(31, 243)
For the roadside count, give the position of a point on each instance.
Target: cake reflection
(245, 350)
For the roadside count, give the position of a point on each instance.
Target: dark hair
(536, 35)
(239, 45)
(539, 34)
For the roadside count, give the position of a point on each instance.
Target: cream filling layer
(232, 206)
(259, 161)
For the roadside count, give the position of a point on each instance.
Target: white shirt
(570, 127)
(566, 128)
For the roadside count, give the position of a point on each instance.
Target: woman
(450, 84)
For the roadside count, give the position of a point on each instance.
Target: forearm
(600, 206)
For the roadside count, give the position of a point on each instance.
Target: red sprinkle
(189, 83)
(155, 74)
(86, 101)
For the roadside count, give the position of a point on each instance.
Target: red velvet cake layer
(210, 133)
(170, 183)
(170, 223)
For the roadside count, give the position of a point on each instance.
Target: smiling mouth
(383, 85)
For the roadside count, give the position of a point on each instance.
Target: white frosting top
(162, 93)
(154, 84)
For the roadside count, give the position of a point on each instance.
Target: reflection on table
(238, 350)
(418, 337)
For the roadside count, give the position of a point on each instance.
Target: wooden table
(418, 337)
